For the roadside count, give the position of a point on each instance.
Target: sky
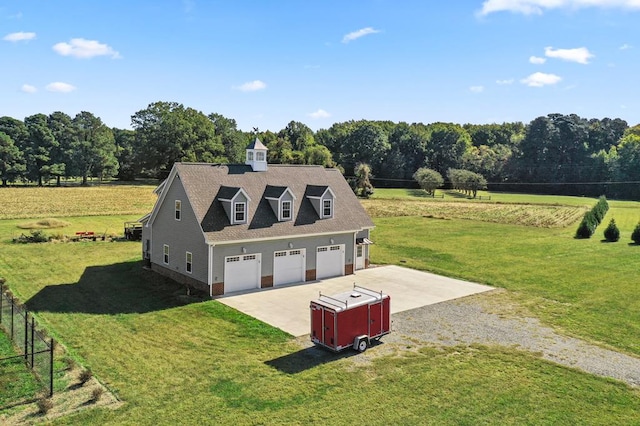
(266, 63)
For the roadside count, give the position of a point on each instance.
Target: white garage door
(288, 266)
(241, 272)
(329, 261)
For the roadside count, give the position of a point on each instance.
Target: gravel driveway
(466, 321)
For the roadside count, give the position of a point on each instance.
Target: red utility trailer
(350, 319)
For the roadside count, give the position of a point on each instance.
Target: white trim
(167, 254)
(187, 262)
(235, 212)
(177, 215)
(285, 237)
(330, 215)
(281, 210)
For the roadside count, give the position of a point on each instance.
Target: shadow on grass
(311, 357)
(121, 288)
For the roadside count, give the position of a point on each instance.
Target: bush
(96, 393)
(85, 376)
(592, 218)
(44, 405)
(612, 233)
(635, 235)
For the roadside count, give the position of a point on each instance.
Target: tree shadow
(310, 357)
(121, 288)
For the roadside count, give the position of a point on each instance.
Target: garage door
(241, 272)
(329, 261)
(288, 266)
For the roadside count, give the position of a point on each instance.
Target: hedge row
(592, 218)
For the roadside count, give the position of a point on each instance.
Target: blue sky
(265, 63)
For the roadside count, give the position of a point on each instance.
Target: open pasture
(172, 359)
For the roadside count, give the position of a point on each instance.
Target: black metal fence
(34, 347)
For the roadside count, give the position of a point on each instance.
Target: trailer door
(316, 322)
(329, 337)
(375, 319)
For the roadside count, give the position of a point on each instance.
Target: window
(359, 251)
(188, 260)
(249, 155)
(286, 210)
(165, 252)
(178, 209)
(326, 208)
(259, 156)
(239, 212)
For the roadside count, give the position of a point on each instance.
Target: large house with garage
(225, 228)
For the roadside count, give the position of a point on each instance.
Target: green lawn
(17, 383)
(174, 360)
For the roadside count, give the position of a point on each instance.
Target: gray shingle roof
(203, 182)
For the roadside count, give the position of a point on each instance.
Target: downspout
(210, 275)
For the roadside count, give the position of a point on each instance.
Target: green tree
(12, 162)
(167, 132)
(364, 188)
(126, 150)
(62, 129)
(94, 147)
(227, 134)
(428, 179)
(446, 147)
(367, 143)
(318, 155)
(299, 135)
(41, 143)
(612, 233)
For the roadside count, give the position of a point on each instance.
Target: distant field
(538, 215)
(33, 202)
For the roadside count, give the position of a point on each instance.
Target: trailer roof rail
(332, 301)
(365, 290)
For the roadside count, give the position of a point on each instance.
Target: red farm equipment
(351, 319)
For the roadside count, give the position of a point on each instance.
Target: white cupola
(257, 156)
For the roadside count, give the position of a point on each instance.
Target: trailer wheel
(362, 345)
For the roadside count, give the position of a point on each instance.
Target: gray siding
(181, 236)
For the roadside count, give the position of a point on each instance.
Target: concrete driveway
(287, 307)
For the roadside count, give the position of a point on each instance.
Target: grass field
(16, 381)
(174, 360)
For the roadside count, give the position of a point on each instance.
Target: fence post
(26, 336)
(51, 369)
(12, 307)
(33, 348)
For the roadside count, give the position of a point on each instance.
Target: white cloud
(625, 47)
(251, 86)
(540, 79)
(504, 82)
(82, 48)
(27, 88)
(537, 7)
(537, 60)
(319, 114)
(19, 36)
(60, 87)
(357, 34)
(477, 89)
(580, 55)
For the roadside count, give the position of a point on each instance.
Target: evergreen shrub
(635, 235)
(612, 233)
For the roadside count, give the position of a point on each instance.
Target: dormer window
(240, 212)
(286, 210)
(235, 203)
(322, 198)
(281, 200)
(327, 208)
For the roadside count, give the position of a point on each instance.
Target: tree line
(555, 153)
